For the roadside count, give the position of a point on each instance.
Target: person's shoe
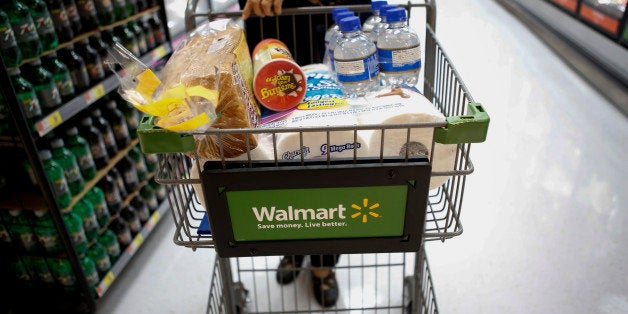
(325, 289)
(289, 268)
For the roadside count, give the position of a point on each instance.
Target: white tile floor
(544, 214)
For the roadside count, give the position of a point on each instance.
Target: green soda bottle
(39, 268)
(128, 39)
(26, 95)
(60, 74)
(21, 231)
(110, 38)
(99, 255)
(5, 127)
(151, 162)
(160, 190)
(96, 196)
(140, 165)
(89, 269)
(119, 9)
(131, 116)
(131, 7)
(46, 232)
(62, 271)
(70, 166)
(60, 19)
(148, 34)
(43, 23)
(19, 270)
(24, 28)
(45, 86)
(5, 236)
(88, 13)
(106, 15)
(56, 176)
(110, 242)
(85, 210)
(11, 53)
(81, 150)
(139, 35)
(74, 224)
(74, 16)
(148, 194)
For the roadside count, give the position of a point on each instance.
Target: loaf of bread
(221, 55)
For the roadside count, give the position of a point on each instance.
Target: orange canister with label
(279, 83)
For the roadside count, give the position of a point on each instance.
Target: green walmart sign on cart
(324, 213)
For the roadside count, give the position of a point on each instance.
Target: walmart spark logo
(365, 210)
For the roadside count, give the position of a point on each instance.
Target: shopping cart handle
(470, 128)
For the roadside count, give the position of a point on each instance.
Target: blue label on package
(321, 85)
(353, 71)
(397, 60)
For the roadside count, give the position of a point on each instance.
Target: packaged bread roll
(221, 55)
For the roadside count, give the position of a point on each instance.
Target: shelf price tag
(137, 242)
(105, 283)
(94, 94)
(155, 217)
(49, 123)
(158, 53)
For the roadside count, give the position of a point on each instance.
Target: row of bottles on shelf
(98, 235)
(29, 27)
(43, 85)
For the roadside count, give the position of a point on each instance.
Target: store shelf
(128, 253)
(601, 17)
(569, 5)
(125, 203)
(599, 59)
(92, 33)
(84, 100)
(100, 174)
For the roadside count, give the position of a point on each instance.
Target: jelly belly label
(279, 85)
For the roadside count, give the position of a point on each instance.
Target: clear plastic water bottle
(368, 25)
(355, 60)
(333, 40)
(382, 24)
(399, 51)
(334, 28)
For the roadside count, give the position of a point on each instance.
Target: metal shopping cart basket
(383, 268)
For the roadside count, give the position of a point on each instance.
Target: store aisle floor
(544, 214)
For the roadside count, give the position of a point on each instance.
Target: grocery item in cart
(355, 60)
(207, 83)
(411, 107)
(279, 83)
(228, 51)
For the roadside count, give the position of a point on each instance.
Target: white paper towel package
(315, 144)
(399, 110)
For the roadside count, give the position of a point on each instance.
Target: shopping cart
(385, 274)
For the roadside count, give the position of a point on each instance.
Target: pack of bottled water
(388, 55)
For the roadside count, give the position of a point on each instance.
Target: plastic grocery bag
(179, 108)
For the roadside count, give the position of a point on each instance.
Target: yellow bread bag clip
(179, 109)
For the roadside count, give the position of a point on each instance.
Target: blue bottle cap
(396, 15)
(383, 9)
(350, 24)
(375, 5)
(342, 15)
(335, 12)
